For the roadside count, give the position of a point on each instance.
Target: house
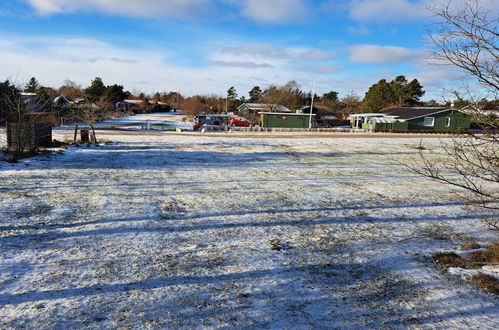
(250, 111)
(61, 100)
(413, 119)
(285, 120)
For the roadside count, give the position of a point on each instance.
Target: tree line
(383, 94)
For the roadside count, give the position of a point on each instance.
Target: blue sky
(206, 46)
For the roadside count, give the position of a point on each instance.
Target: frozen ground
(200, 231)
(153, 120)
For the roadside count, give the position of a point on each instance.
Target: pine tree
(255, 95)
(32, 85)
(96, 90)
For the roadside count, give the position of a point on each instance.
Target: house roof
(406, 113)
(285, 114)
(257, 107)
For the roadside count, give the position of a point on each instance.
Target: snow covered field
(200, 231)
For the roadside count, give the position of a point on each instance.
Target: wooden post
(76, 132)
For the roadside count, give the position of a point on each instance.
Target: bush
(486, 282)
(446, 260)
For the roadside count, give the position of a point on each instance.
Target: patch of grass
(171, 210)
(445, 260)
(486, 282)
(469, 243)
(36, 210)
(474, 260)
(437, 232)
(275, 244)
(485, 257)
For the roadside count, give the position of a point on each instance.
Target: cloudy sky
(206, 46)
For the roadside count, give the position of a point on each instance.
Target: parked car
(239, 121)
(207, 119)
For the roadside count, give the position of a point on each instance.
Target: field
(206, 231)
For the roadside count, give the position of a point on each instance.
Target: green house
(285, 120)
(413, 119)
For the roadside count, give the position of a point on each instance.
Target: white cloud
(52, 60)
(388, 11)
(435, 78)
(257, 50)
(316, 55)
(270, 52)
(321, 69)
(241, 64)
(133, 8)
(358, 30)
(376, 54)
(275, 11)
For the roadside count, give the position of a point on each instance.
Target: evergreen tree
(115, 93)
(406, 93)
(330, 96)
(255, 95)
(379, 96)
(96, 90)
(232, 93)
(398, 92)
(32, 85)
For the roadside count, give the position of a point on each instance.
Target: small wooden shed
(29, 136)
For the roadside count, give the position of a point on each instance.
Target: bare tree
(350, 104)
(466, 37)
(194, 105)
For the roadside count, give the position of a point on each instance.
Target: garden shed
(285, 120)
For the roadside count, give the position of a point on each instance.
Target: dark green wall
(284, 120)
(459, 121)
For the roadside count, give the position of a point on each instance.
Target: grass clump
(486, 282)
(487, 256)
(446, 260)
(469, 243)
(275, 244)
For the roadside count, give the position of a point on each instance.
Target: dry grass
(474, 260)
(469, 243)
(445, 260)
(490, 256)
(486, 282)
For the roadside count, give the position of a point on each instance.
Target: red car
(239, 121)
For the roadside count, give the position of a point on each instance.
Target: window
(447, 122)
(429, 121)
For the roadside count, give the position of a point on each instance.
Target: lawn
(200, 231)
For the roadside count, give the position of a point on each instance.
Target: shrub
(446, 260)
(486, 282)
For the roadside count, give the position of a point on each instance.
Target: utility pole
(312, 104)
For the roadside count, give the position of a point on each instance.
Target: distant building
(251, 110)
(412, 119)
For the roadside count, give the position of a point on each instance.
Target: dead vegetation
(473, 260)
(486, 282)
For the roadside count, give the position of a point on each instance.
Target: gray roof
(413, 112)
(257, 107)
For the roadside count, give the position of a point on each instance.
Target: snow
(177, 231)
(139, 121)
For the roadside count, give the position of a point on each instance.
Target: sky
(207, 46)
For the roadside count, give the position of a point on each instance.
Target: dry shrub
(486, 282)
(488, 256)
(469, 243)
(446, 260)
